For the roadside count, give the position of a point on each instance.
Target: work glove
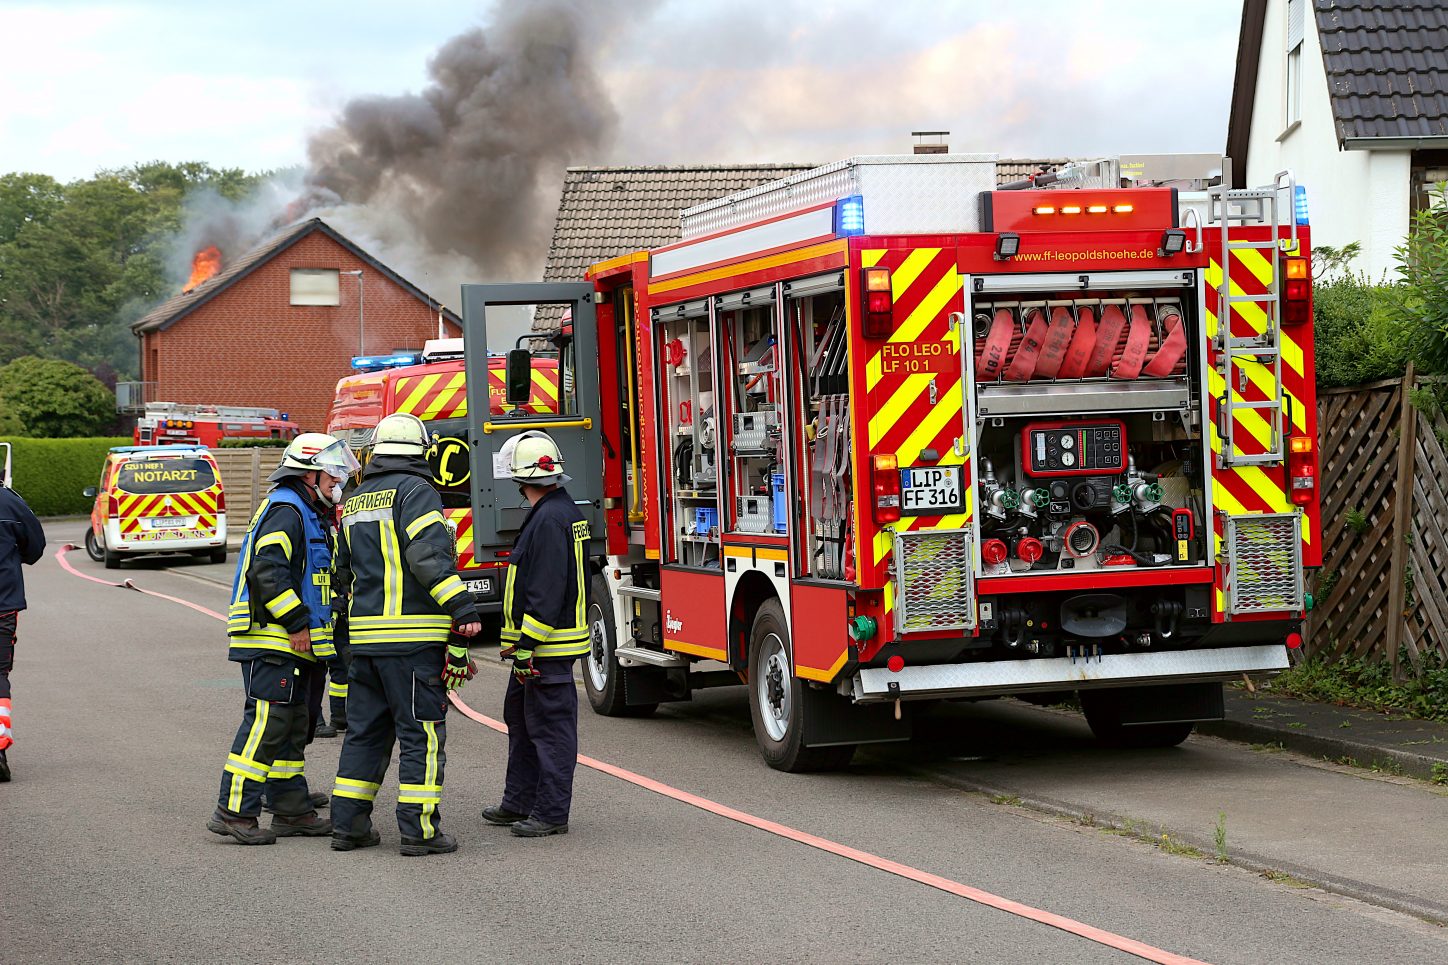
(505, 649)
(459, 668)
(523, 667)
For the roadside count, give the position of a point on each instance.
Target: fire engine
(178, 423)
(430, 385)
(885, 432)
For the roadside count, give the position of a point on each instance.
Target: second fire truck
(886, 432)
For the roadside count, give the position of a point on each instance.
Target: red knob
(1029, 549)
(993, 552)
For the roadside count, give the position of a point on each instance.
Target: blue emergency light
(850, 216)
(1299, 204)
(371, 363)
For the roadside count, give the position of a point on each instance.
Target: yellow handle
(490, 427)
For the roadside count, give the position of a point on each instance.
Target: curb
(1258, 864)
(1332, 748)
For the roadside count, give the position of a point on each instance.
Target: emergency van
(431, 385)
(157, 499)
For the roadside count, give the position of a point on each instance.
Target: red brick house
(279, 325)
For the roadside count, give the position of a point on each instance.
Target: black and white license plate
(480, 587)
(932, 491)
(169, 522)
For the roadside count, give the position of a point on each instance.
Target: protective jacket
(545, 599)
(396, 562)
(283, 581)
(21, 541)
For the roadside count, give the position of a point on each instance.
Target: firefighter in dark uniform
(545, 629)
(395, 562)
(280, 625)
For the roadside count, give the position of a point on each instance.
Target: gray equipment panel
(498, 510)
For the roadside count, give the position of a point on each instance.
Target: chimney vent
(931, 142)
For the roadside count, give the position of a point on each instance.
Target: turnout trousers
(266, 758)
(7, 660)
(542, 719)
(337, 673)
(389, 698)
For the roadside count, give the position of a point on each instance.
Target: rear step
(639, 656)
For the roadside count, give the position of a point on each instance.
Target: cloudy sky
(88, 85)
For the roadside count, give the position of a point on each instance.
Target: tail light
(879, 303)
(993, 552)
(113, 506)
(885, 481)
(1296, 291)
(1301, 470)
(221, 502)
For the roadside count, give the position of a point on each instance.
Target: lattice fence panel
(1427, 611)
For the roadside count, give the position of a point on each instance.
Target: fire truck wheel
(1102, 712)
(602, 676)
(93, 546)
(778, 701)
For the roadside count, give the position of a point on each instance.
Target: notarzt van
(157, 499)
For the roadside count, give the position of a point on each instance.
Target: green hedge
(51, 473)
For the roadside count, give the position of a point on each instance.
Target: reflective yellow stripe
(448, 588)
(580, 615)
(283, 770)
(430, 779)
(510, 629)
(276, 539)
(423, 522)
(246, 759)
(283, 603)
(402, 621)
(536, 629)
(357, 790)
(575, 649)
(392, 568)
(336, 690)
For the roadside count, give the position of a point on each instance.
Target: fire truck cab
(885, 432)
(177, 423)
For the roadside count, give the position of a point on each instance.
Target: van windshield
(165, 476)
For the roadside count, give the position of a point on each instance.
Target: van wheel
(93, 547)
(1103, 715)
(777, 701)
(218, 555)
(602, 676)
(112, 560)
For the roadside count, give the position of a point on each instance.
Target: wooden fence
(1384, 477)
(243, 475)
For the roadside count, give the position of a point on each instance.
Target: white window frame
(316, 286)
(1296, 31)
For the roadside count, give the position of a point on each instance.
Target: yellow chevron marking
(941, 413)
(1249, 419)
(930, 307)
(1227, 502)
(424, 386)
(903, 277)
(891, 412)
(1271, 495)
(445, 398)
(1257, 263)
(885, 539)
(1256, 317)
(1292, 355)
(871, 258)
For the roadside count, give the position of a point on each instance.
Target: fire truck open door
(498, 509)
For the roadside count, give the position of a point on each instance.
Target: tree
(54, 399)
(1423, 263)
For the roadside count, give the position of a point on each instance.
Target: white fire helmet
(534, 458)
(400, 434)
(316, 450)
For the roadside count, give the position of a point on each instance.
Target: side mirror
(520, 376)
(89, 492)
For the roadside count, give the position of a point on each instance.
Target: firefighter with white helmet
(279, 625)
(396, 564)
(545, 629)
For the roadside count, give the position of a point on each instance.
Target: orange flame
(206, 263)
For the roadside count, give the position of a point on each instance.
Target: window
(1296, 27)
(315, 286)
(1427, 175)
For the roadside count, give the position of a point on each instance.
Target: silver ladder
(1243, 208)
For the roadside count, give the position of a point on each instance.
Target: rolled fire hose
(1170, 352)
(1023, 366)
(1053, 349)
(1129, 367)
(1112, 323)
(1056, 350)
(1079, 352)
(997, 346)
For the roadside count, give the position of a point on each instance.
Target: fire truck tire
(778, 700)
(218, 555)
(93, 547)
(1103, 716)
(602, 676)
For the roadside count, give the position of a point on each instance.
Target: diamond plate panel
(934, 581)
(1264, 559)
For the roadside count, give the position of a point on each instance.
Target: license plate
(933, 491)
(169, 522)
(483, 587)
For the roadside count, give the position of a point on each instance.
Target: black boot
(324, 729)
(244, 830)
(533, 828)
(351, 842)
(320, 800)
(501, 816)
(439, 843)
(4, 769)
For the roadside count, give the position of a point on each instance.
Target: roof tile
(1385, 61)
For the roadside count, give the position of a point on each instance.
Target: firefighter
(21, 541)
(395, 562)
(544, 630)
(280, 625)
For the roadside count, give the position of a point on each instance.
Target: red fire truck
(430, 385)
(179, 423)
(885, 432)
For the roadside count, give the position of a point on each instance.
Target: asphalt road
(125, 706)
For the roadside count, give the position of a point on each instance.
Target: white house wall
(1357, 196)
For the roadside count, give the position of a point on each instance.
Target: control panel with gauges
(1073, 448)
